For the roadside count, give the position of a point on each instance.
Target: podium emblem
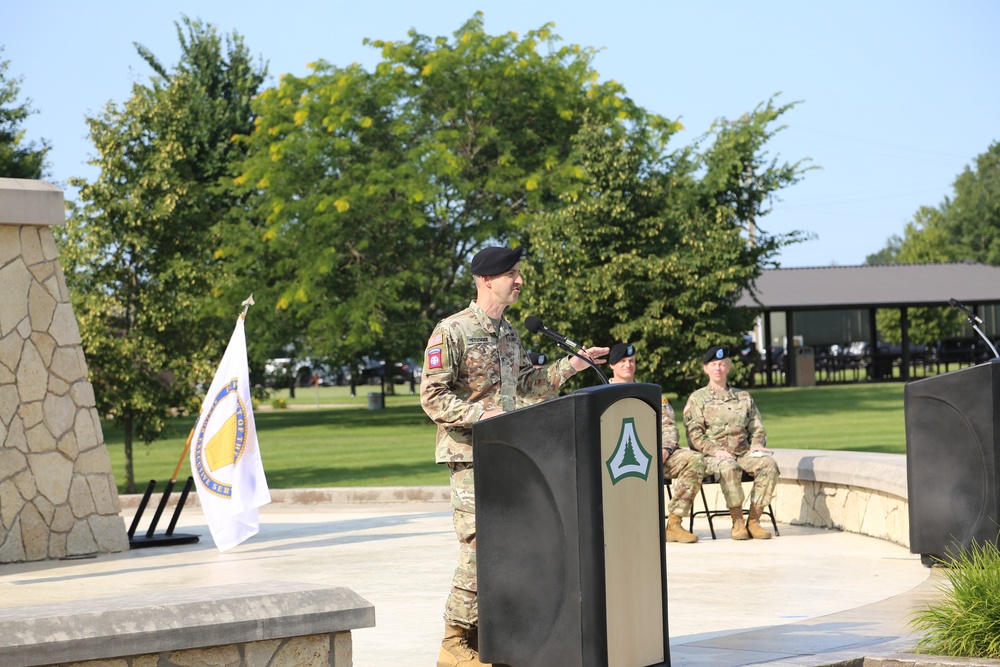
(630, 458)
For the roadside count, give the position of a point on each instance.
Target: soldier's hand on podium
(491, 413)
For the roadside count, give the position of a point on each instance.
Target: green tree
(139, 245)
(925, 240)
(18, 159)
(656, 250)
(965, 227)
(373, 189)
(973, 215)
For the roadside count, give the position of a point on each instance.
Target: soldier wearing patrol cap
(679, 463)
(476, 368)
(724, 424)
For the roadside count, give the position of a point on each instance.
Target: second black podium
(953, 461)
(570, 533)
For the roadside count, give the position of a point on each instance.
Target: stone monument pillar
(57, 494)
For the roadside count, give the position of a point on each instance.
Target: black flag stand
(168, 538)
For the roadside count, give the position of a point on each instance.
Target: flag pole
(180, 461)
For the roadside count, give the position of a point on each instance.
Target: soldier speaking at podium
(474, 368)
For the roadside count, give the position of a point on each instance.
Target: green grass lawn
(856, 417)
(344, 443)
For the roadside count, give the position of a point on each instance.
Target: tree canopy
(350, 201)
(18, 158)
(373, 189)
(139, 246)
(965, 227)
(655, 250)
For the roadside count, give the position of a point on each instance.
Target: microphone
(954, 302)
(534, 325)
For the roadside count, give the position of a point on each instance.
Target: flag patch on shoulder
(436, 339)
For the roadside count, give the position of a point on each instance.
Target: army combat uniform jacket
(668, 426)
(471, 367)
(726, 420)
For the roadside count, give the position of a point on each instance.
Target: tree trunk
(129, 467)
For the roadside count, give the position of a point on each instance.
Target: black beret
(619, 351)
(536, 359)
(495, 260)
(717, 352)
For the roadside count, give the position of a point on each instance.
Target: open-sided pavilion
(837, 305)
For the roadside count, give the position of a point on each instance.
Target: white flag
(225, 458)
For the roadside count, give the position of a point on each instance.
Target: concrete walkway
(808, 597)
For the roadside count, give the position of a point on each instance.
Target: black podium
(570, 532)
(952, 459)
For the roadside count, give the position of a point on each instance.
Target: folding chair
(710, 514)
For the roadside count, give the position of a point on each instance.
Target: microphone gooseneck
(534, 325)
(975, 320)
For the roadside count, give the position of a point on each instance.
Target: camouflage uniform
(729, 420)
(471, 367)
(681, 464)
(525, 401)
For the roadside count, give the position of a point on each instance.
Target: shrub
(964, 621)
(279, 403)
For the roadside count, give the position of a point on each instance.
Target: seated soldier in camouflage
(724, 424)
(679, 463)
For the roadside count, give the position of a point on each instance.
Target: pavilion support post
(904, 327)
(789, 348)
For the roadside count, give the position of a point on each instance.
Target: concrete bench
(275, 623)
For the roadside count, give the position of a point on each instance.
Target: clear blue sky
(897, 97)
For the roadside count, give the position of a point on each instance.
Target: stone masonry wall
(57, 493)
(843, 501)
(328, 650)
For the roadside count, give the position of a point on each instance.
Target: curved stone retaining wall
(860, 492)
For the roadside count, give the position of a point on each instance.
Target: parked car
(372, 371)
(304, 372)
(407, 371)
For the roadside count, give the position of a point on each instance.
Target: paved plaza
(808, 597)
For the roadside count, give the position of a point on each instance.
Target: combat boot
(676, 532)
(455, 649)
(739, 529)
(753, 525)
